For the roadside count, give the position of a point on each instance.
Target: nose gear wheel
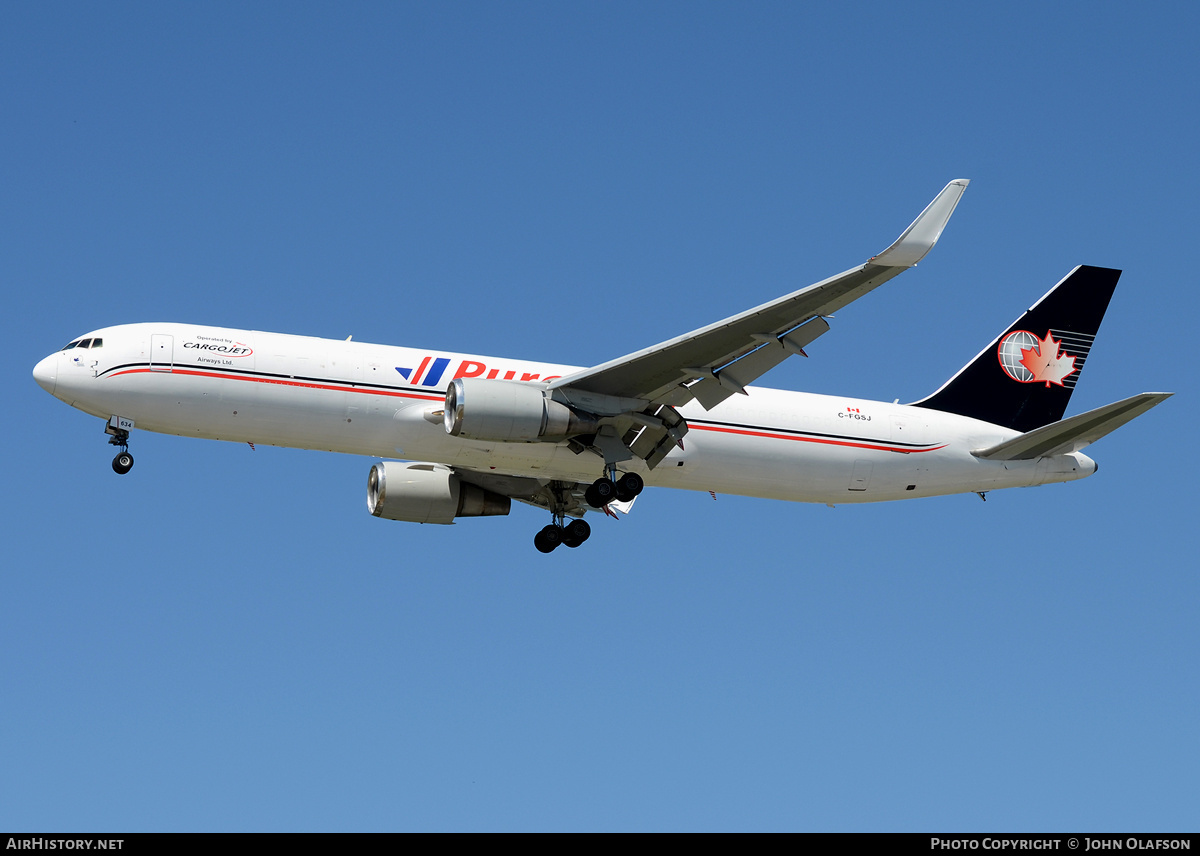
(122, 463)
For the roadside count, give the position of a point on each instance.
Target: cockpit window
(86, 343)
(72, 345)
(97, 343)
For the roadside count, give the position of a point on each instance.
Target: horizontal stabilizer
(1071, 435)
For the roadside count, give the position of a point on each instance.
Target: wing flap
(716, 386)
(659, 437)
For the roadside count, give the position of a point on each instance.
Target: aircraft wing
(716, 361)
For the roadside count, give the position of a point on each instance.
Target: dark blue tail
(1024, 378)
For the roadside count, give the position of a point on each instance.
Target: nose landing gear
(118, 428)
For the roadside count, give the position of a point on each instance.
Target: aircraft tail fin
(1023, 380)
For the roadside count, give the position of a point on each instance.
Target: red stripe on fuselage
(284, 382)
(822, 440)
(398, 394)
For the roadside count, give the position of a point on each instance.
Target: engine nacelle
(511, 412)
(428, 493)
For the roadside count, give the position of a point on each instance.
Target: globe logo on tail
(1029, 359)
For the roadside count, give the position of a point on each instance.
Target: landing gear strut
(123, 462)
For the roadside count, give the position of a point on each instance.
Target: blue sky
(226, 640)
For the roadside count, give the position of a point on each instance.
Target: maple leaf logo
(1046, 362)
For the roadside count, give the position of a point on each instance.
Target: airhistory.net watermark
(37, 842)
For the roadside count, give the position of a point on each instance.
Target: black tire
(547, 539)
(122, 463)
(601, 493)
(576, 532)
(629, 485)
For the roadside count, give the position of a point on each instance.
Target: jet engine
(508, 411)
(428, 493)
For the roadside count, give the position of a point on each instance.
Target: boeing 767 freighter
(473, 433)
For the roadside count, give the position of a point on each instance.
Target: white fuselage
(382, 401)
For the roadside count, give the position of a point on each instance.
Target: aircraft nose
(46, 373)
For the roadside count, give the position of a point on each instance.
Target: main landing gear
(560, 531)
(605, 489)
(123, 462)
(572, 534)
(613, 486)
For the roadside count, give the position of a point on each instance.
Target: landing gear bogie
(564, 499)
(572, 535)
(622, 488)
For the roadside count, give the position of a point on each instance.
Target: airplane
(464, 435)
